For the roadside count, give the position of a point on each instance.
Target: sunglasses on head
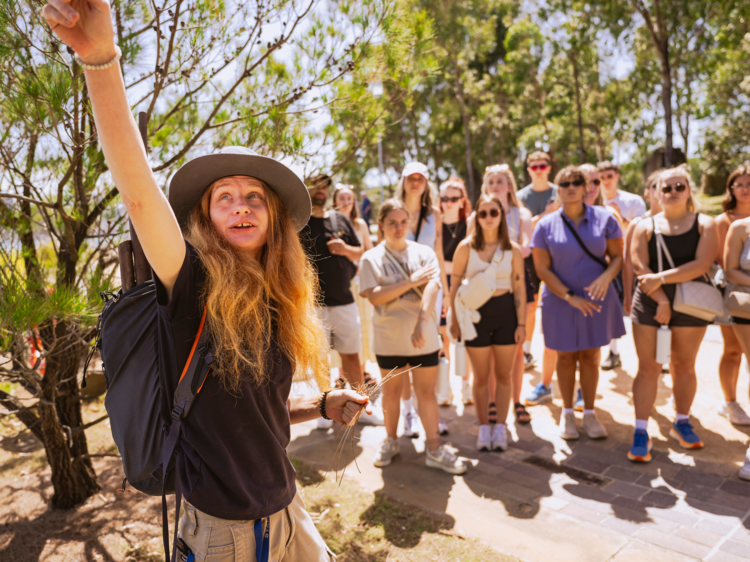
(566, 184)
(678, 187)
(446, 199)
(539, 167)
(494, 213)
(595, 182)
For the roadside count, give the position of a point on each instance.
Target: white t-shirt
(630, 204)
(394, 321)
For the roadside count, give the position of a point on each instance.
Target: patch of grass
(710, 205)
(362, 526)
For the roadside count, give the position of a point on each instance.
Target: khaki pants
(293, 536)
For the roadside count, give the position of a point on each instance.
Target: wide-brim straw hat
(191, 181)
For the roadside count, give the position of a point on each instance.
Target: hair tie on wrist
(118, 55)
(322, 405)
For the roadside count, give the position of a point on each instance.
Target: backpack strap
(191, 381)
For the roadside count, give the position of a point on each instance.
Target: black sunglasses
(494, 213)
(595, 182)
(446, 199)
(565, 184)
(678, 187)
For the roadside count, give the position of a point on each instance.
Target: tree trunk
(73, 476)
(666, 100)
(581, 145)
(467, 145)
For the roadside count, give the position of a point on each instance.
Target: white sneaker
(442, 427)
(734, 413)
(466, 394)
(568, 428)
(745, 470)
(444, 399)
(324, 423)
(593, 427)
(484, 441)
(371, 419)
(444, 458)
(389, 448)
(499, 438)
(410, 425)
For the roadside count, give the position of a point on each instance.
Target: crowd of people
(459, 280)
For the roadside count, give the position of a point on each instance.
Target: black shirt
(233, 462)
(334, 272)
(453, 234)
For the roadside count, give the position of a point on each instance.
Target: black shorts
(391, 362)
(532, 279)
(498, 323)
(644, 310)
(741, 321)
(446, 295)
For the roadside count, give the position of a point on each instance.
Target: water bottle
(663, 345)
(443, 387)
(458, 360)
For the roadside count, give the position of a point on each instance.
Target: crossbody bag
(398, 264)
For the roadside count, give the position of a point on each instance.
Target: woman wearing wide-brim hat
(225, 241)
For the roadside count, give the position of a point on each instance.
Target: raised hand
(85, 26)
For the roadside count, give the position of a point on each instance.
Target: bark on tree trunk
(581, 146)
(666, 100)
(73, 476)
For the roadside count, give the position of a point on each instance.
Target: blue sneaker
(578, 406)
(539, 395)
(683, 432)
(640, 451)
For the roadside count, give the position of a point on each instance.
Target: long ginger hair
(244, 298)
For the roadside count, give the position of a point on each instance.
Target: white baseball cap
(415, 168)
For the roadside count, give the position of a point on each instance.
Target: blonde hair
(683, 171)
(477, 236)
(249, 301)
(505, 170)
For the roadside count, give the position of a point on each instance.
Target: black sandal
(522, 415)
(492, 413)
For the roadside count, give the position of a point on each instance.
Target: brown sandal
(492, 416)
(522, 415)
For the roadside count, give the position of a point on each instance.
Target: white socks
(407, 406)
(641, 424)
(527, 347)
(568, 411)
(681, 417)
(613, 347)
(586, 412)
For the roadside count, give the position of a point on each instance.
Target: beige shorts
(341, 324)
(293, 536)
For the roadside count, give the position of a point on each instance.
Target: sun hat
(191, 181)
(415, 168)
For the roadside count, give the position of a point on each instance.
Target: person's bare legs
(588, 359)
(516, 381)
(406, 390)
(390, 400)
(566, 375)
(351, 369)
(646, 382)
(530, 318)
(549, 362)
(685, 344)
(480, 363)
(505, 359)
(446, 342)
(742, 333)
(729, 366)
(425, 379)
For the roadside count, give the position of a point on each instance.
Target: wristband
(661, 276)
(322, 405)
(118, 54)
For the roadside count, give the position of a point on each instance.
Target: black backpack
(127, 339)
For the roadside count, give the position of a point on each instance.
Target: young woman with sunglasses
(502, 327)
(736, 206)
(580, 308)
(736, 261)
(692, 241)
(454, 207)
(499, 181)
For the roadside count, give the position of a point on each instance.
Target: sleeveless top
(682, 248)
(504, 268)
(452, 236)
(745, 257)
(427, 235)
(513, 216)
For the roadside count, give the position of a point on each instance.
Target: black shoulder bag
(422, 213)
(616, 281)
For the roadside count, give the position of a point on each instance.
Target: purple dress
(566, 328)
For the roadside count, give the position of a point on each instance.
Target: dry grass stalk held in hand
(348, 430)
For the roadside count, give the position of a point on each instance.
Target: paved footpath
(581, 501)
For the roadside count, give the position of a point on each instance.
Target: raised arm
(86, 27)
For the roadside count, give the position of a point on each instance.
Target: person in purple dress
(580, 308)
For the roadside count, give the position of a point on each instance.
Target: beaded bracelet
(114, 61)
(322, 405)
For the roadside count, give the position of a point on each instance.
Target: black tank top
(682, 248)
(452, 236)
